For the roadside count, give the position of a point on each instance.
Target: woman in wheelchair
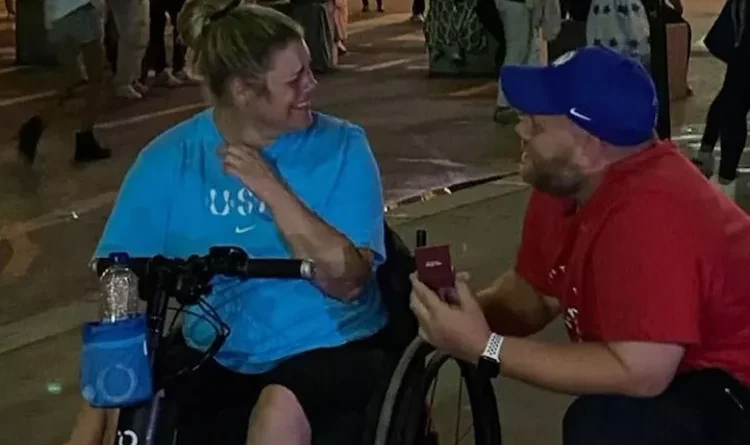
(261, 171)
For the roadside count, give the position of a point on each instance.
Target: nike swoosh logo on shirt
(575, 113)
(240, 230)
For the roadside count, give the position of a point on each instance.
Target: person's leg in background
(366, 5)
(10, 8)
(78, 33)
(727, 117)
(733, 130)
(149, 58)
(132, 20)
(564, 9)
(179, 50)
(705, 157)
(418, 8)
(521, 48)
(341, 22)
(156, 53)
(110, 40)
(87, 147)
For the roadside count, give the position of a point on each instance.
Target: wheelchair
(397, 413)
(400, 415)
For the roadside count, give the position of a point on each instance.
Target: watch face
(488, 367)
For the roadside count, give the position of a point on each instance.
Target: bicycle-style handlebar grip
(278, 268)
(251, 268)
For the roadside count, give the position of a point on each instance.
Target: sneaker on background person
(186, 77)
(128, 91)
(166, 79)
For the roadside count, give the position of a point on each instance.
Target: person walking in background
(522, 22)
(729, 40)
(156, 52)
(75, 29)
(131, 18)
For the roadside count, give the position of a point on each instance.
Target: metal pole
(659, 65)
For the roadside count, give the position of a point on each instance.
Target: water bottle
(116, 367)
(119, 289)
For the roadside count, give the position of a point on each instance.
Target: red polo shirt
(658, 254)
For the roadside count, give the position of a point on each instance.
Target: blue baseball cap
(607, 94)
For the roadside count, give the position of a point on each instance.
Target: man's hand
(459, 327)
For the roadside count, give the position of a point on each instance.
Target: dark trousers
(110, 41)
(564, 9)
(379, 3)
(727, 115)
(418, 7)
(577, 9)
(699, 408)
(156, 53)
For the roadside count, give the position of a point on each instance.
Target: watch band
(493, 347)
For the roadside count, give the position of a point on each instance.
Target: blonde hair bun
(233, 38)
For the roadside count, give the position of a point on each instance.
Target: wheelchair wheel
(404, 416)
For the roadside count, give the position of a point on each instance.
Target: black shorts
(331, 384)
(700, 407)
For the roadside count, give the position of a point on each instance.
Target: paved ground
(425, 133)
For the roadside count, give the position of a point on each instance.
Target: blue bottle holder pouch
(115, 364)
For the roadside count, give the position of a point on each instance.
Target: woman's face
(285, 106)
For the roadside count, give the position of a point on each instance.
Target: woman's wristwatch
(489, 362)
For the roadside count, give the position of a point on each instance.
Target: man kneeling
(645, 259)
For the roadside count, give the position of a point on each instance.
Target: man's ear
(589, 154)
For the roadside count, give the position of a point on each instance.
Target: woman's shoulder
(327, 124)
(174, 141)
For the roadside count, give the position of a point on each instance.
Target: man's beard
(555, 177)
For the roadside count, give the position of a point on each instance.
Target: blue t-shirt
(177, 201)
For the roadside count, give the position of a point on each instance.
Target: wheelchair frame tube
(137, 425)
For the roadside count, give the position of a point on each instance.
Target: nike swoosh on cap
(575, 113)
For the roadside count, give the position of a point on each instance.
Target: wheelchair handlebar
(190, 278)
